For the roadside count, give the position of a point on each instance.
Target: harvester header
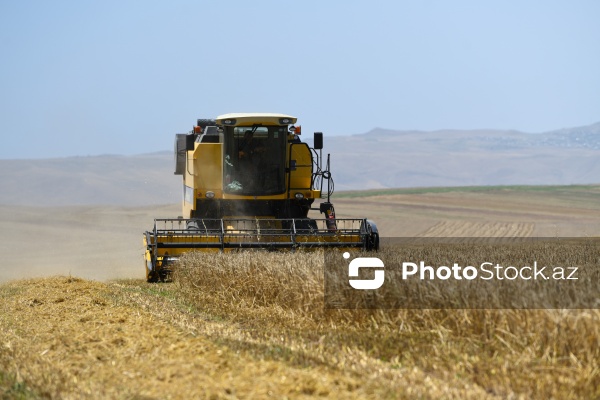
(250, 182)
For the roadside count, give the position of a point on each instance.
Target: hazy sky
(122, 77)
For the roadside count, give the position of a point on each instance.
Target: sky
(81, 78)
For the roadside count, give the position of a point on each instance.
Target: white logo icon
(365, 262)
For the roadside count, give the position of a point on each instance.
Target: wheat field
(253, 324)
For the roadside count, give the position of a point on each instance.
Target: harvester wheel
(373, 239)
(152, 277)
(151, 274)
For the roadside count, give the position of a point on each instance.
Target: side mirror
(318, 140)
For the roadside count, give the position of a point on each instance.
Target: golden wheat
(541, 353)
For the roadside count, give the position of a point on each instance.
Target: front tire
(373, 237)
(151, 274)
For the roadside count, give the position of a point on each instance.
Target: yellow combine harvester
(250, 182)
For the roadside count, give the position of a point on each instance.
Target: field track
(479, 229)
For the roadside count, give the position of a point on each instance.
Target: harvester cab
(249, 182)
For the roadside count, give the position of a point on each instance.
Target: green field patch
(468, 189)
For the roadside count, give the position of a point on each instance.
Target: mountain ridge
(380, 158)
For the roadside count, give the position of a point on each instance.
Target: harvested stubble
(505, 353)
(68, 338)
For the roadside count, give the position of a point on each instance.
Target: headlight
(299, 196)
(210, 195)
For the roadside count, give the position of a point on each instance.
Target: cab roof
(245, 119)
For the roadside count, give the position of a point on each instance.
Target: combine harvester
(249, 182)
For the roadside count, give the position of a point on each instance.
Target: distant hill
(108, 179)
(377, 159)
(387, 159)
